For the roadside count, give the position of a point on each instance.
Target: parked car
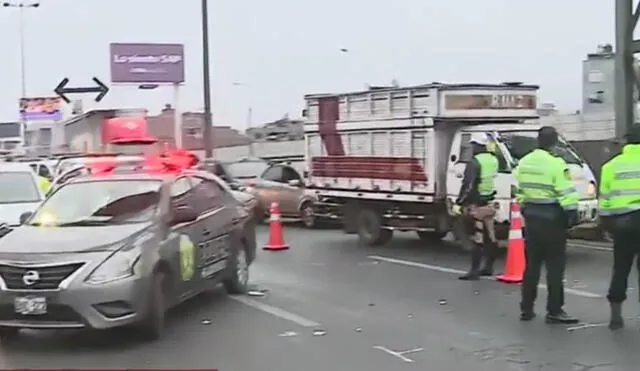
(19, 191)
(280, 183)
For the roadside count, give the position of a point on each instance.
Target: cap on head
(547, 137)
(633, 135)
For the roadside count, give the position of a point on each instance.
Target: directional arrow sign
(62, 90)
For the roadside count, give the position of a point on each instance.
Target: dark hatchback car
(108, 251)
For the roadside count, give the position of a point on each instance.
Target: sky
(267, 54)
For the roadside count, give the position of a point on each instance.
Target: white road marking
(590, 246)
(277, 312)
(582, 293)
(400, 355)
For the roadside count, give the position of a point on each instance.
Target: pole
(206, 77)
(23, 73)
(624, 70)
(249, 122)
(177, 116)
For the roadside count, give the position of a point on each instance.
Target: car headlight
(118, 266)
(591, 189)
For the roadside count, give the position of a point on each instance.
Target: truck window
(520, 143)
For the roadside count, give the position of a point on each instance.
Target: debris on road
(358, 329)
(319, 332)
(288, 334)
(206, 322)
(442, 302)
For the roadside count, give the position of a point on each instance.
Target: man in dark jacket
(474, 203)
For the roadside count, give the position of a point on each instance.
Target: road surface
(331, 305)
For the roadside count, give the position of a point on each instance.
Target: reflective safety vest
(44, 184)
(488, 173)
(545, 180)
(620, 183)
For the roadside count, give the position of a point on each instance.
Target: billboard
(41, 108)
(147, 63)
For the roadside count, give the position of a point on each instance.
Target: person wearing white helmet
(477, 192)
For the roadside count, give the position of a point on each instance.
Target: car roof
(15, 167)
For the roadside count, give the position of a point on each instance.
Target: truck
(392, 158)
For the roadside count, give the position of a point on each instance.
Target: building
(280, 130)
(84, 132)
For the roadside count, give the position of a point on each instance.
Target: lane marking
(276, 312)
(400, 355)
(594, 247)
(576, 292)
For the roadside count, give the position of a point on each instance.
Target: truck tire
(431, 236)
(369, 227)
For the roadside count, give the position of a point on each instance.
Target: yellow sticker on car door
(187, 258)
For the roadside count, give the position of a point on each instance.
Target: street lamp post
(248, 123)
(23, 70)
(206, 77)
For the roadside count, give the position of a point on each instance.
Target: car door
(271, 188)
(217, 221)
(184, 238)
(292, 191)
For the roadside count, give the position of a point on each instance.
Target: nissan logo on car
(30, 278)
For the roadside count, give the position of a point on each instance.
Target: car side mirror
(25, 216)
(183, 214)
(295, 183)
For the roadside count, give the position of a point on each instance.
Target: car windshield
(520, 143)
(247, 170)
(100, 202)
(18, 187)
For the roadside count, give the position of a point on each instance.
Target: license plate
(31, 305)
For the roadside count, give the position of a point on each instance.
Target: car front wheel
(237, 281)
(307, 215)
(152, 326)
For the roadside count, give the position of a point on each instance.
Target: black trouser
(545, 242)
(626, 246)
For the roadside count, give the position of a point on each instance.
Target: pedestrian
(548, 202)
(474, 202)
(619, 202)
(44, 184)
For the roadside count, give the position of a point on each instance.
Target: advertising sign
(41, 108)
(147, 63)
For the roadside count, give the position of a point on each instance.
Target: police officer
(549, 204)
(44, 184)
(620, 211)
(476, 193)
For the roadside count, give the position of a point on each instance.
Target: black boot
(473, 273)
(490, 253)
(616, 322)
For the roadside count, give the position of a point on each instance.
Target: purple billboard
(147, 63)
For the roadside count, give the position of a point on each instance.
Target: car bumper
(103, 306)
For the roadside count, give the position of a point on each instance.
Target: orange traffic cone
(515, 263)
(276, 236)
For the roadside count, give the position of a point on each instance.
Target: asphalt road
(329, 304)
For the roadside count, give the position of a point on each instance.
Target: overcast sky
(283, 49)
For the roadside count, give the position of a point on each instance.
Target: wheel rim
(242, 269)
(307, 216)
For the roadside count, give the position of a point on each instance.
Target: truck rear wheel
(369, 227)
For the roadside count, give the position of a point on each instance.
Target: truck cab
(513, 142)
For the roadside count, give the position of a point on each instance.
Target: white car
(19, 191)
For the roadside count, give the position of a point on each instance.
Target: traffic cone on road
(515, 263)
(276, 236)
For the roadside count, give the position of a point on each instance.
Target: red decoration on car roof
(168, 162)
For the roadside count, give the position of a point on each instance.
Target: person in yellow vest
(477, 192)
(44, 184)
(548, 202)
(619, 202)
